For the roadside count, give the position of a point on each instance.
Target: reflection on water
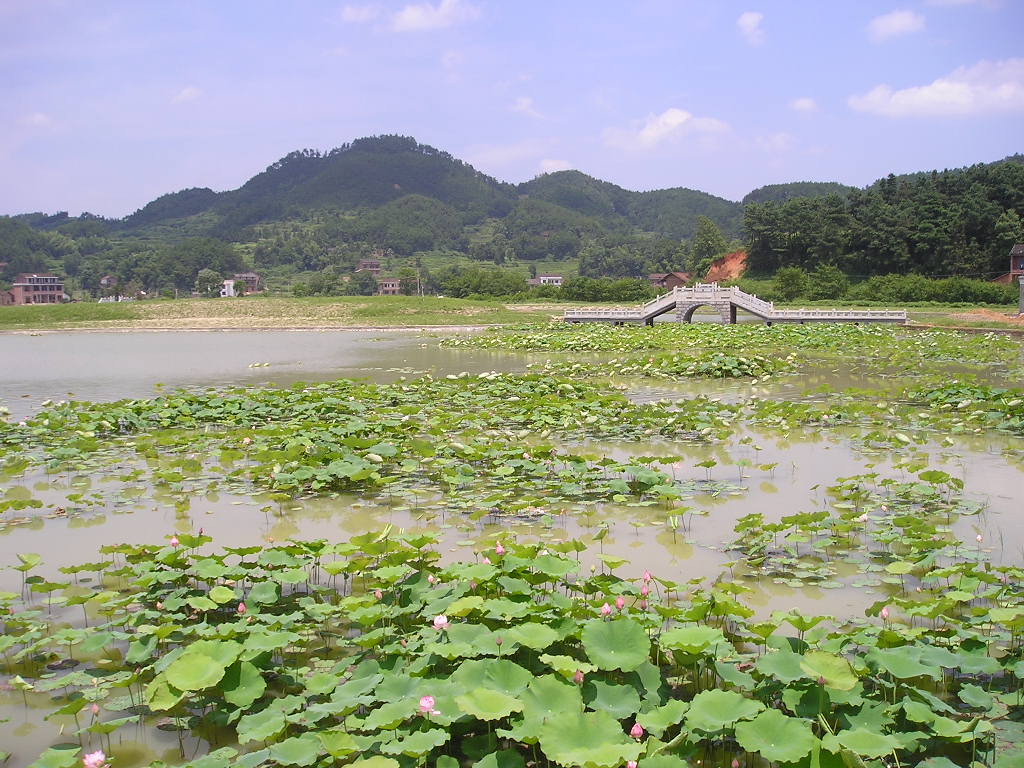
(754, 472)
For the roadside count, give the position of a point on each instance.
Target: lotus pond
(679, 545)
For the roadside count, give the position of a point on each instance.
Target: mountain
(780, 193)
(372, 172)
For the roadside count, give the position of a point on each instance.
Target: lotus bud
(578, 677)
(431, 579)
(978, 538)
(821, 680)
(643, 605)
(174, 541)
(487, 561)
(498, 641)
(95, 708)
(644, 590)
(378, 594)
(647, 576)
(620, 603)
(606, 609)
(885, 613)
(403, 642)
(637, 731)
(735, 763)
(241, 608)
(498, 549)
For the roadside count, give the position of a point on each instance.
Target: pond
(539, 461)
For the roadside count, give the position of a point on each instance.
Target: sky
(106, 105)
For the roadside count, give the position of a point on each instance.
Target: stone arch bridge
(684, 301)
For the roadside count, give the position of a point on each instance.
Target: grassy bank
(373, 311)
(259, 312)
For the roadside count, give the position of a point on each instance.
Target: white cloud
(524, 105)
(188, 93)
(776, 143)
(671, 123)
(359, 14)
(749, 23)
(804, 104)
(550, 165)
(37, 120)
(987, 87)
(895, 24)
(421, 16)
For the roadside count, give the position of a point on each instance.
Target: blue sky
(106, 105)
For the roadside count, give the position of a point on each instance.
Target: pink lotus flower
(637, 731)
(578, 677)
(620, 603)
(606, 609)
(159, 605)
(441, 622)
(643, 605)
(173, 542)
(644, 590)
(487, 561)
(885, 613)
(94, 759)
(431, 579)
(246, 440)
(427, 706)
(95, 708)
(647, 576)
(978, 538)
(241, 608)
(498, 549)
(631, 764)
(378, 594)
(735, 763)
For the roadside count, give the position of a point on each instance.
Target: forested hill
(959, 222)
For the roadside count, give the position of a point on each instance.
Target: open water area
(774, 473)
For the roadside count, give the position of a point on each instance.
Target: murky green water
(108, 366)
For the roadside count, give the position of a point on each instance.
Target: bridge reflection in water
(684, 301)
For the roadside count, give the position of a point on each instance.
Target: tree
(362, 283)
(827, 282)
(790, 282)
(708, 242)
(209, 283)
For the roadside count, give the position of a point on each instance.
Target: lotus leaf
(386, 717)
(903, 662)
(338, 743)
(161, 695)
(298, 750)
(533, 635)
(504, 758)
(202, 664)
(660, 719)
(862, 742)
(620, 701)
(260, 726)
(834, 670)
(775, 736)
(57, 757)
(242, 684)
(784, 666)
(416, 743)
(488, 704)
(221, 595)
(500, 675)
(587, 739)
(617, 644)
(714, 710)
(692, 639)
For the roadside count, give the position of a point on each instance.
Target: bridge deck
(685, 300)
